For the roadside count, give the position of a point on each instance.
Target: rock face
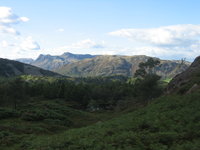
(9, 68)
(54, 62)
(187, 81)
(108, 65)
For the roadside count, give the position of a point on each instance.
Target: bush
(8, 113)
(47, 113)
(7, 138)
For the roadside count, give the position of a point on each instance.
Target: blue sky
(168, 29)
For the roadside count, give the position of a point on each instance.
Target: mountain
(10, 68)
(54, 62)
(187, 81)
(25, 60)
(108, 65)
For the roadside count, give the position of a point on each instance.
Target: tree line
(87, 93)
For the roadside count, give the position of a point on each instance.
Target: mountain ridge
(50, 62)
(83, 65)
(108, 65)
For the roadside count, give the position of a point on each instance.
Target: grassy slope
(39, 118)
(168, 123)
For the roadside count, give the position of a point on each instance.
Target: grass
(168, 123)
(39, 118)
(167, 80)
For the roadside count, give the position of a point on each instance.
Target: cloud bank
(182, 40)
(163, 36)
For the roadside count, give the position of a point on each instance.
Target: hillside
(169, 123)
(10, 68)
(50, 62)
(109, 65)
(187, 81)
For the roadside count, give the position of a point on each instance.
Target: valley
(113, 112)
(99, 75)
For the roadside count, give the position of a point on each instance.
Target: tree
(146, 68)
(17, 91)
(146, 83)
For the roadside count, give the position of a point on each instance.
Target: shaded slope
(10, 68)
(186, 81)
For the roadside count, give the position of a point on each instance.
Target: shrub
(8, 113)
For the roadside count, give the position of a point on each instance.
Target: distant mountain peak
(67, 53)
(51, 62)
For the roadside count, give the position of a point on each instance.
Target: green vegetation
(86, 93)
(167, 80)
(168, 123)
(39, 117)
(102, 113)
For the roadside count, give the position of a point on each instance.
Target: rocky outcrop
(187, 81)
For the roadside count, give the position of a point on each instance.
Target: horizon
(168, 30)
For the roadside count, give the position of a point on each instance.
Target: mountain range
(84, 65)
(108, 65)
(50, 62)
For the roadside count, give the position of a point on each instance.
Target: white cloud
(29, 44)
(19, 48)
(60, 30)
(8, 18)
(87, 44)
(4, 44)
(11, 44)
(175, 35)
(7, 29)
(24, 19)
(166, 42)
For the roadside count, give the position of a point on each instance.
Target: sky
(168, 29)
